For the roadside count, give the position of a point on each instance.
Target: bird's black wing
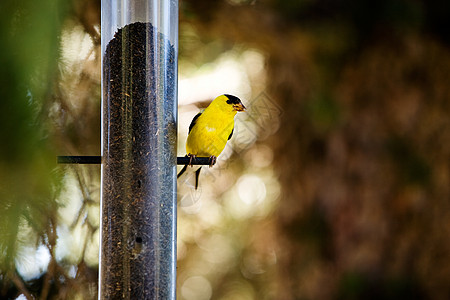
(194, 120)
(231, 134)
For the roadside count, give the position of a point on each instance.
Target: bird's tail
(197, 174)
(182, 171)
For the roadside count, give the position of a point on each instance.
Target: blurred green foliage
(29, 50)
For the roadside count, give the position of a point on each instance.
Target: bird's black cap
(233, 99)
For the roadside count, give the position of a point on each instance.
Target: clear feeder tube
(139, 115)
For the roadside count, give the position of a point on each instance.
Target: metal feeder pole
(139, 115)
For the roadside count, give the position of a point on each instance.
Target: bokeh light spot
(196, 288)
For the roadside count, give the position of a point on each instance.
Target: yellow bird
(211, 129)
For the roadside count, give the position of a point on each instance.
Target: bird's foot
(191, 158)
(212, 160)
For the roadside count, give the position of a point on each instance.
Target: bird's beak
(238, 107)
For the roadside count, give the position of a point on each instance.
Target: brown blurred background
(336, 184)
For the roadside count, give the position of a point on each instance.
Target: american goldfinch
(211, 129)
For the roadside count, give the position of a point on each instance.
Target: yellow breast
(210, 133)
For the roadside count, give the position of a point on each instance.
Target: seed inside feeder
(139, 136)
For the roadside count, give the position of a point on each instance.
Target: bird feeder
(139, 113)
